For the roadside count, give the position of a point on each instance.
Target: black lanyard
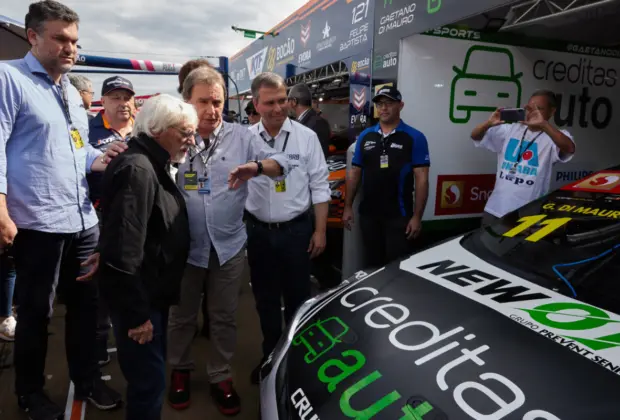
(272, 142)
(385, 142)
(520, 157)
(211, 150)
(65, 101)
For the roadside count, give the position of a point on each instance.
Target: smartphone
(512, 115)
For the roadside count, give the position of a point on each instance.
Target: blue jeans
(144, 367)
(7, 285)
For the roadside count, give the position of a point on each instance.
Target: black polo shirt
(388, 191)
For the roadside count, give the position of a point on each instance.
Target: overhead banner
(398, 19)
(320, 33)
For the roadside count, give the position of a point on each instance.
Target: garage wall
(439, 102)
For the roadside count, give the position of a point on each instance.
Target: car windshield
(568, 241)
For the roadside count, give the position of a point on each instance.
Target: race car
(517, 320)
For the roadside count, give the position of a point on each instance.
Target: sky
(164, 30)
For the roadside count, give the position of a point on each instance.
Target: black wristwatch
(260, 167)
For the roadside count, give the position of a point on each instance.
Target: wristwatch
(260, 167)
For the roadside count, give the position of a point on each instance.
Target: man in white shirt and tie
(281, 240)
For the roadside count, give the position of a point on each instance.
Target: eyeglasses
(186, 134)
(90, 92)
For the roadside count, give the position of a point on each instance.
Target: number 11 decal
(549, 226)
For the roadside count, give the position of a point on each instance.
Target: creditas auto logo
(452, 194)
(471, 91)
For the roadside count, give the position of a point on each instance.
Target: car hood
(443, 335)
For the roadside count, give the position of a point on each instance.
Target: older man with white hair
(84, 87)
(144, 244)
(217, 256)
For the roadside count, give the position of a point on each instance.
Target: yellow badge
(281, 186)
(77, 138)
(190, 180)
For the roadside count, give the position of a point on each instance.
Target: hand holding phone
(512, 115)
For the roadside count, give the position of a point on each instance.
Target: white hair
(161, 112)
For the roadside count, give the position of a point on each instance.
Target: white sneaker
(7, 329)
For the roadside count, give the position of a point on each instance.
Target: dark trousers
(7, 284)
(46, 263)
(279, 268)
(144, 367)
(384, 240)
(103, 319)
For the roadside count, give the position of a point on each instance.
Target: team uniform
(387, 205)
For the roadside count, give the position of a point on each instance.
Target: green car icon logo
(486, 82)
(320, 337)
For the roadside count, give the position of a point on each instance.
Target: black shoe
(226, 398)
(179, 394)
(100, 395)
(40, 407)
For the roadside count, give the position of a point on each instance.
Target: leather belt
(279, 225)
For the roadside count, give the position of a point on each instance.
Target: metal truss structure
(532, 12)
(331, 71)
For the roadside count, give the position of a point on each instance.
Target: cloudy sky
(164, 30)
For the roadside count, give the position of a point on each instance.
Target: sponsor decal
(281, 54)
(385, 61)
(328, 40)
(305, 33)
(359, 34)
(589, 331)
(451, 32)
(571, 175)
(359, 65)
(238, 75)
(584, 210)
(470, 92)
(377, 89)
(462, 194)
(601, 182)
(256, 62)
(359, 98)
(345, 371)
(433, 6)
(397, 19)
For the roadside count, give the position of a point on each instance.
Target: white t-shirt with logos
(533, 171)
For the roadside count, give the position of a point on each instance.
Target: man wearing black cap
(253, 115)
(300, 103)
(112, 125)
(393, 158)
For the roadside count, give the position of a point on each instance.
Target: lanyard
(527, 148)
(272, 142)
(385, 142)
(65, 101)
(211, 150)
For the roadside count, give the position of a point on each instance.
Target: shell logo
(452, 194)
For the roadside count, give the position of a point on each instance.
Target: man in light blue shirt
(218, 237)
(44, 206)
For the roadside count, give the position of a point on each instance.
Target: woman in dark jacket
(144, 245)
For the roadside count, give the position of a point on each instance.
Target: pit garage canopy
(13, 42)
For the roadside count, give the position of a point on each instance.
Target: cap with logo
(115, 83)
(388, 92)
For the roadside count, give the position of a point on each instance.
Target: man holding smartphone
(527, 151)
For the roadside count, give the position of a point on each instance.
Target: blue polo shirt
(388, 191)
(42, 172)
(100, 136)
